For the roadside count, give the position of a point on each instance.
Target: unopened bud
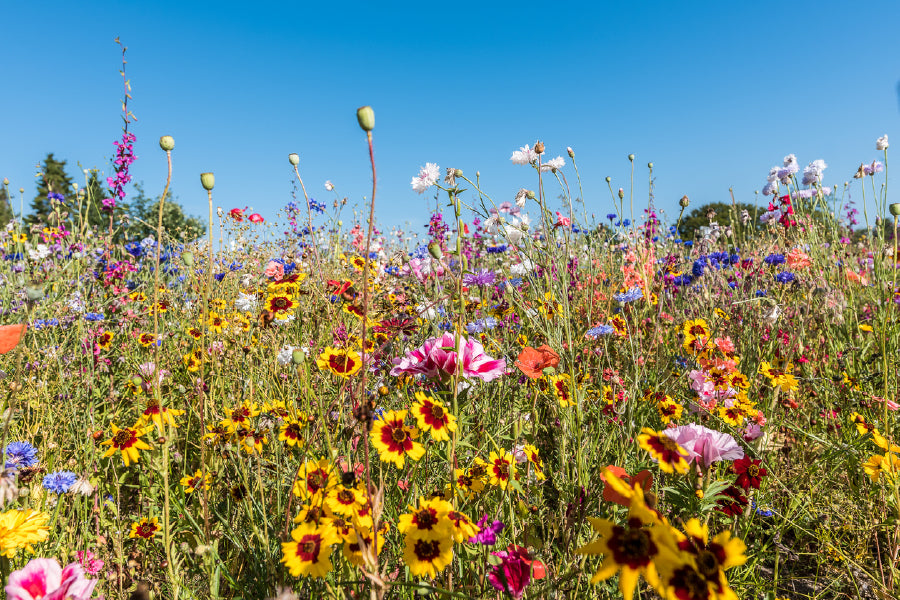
(457, 173)
(434, 249)
(530, 195)
(649, 165)
(631, 157)
(208, 181)
(167, 143)
(294, 159)
(539, 147)
(366, 117)
(383, 391)
(621, 194)
(187, 258)
(895, 209)
(21, 190)
(297, 357)
(5, 181)
(684, 202)
(570, 152)
(608, 179)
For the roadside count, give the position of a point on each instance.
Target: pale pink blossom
(437, 359)
(275, 270)
(705, 445)
(523, 156)
(44, 579)
(427, 177)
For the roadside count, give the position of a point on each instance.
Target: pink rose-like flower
(275, 270)
(256, 218)
(437, 359)
(706, 445)
(44, 579)
(92, 565)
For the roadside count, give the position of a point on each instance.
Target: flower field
(525, 402)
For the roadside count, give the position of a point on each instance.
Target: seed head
(167, 143)
(208, 181)
(294, 159)
(366, 117)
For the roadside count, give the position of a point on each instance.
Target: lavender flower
(480, 279)
(631, 295)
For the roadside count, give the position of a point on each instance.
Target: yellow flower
(192, 482)
(502, 468)
(127, 441)
(307, 555)
(427, 558)
(145, 529)
(432, 416)
(345, 500)
(315, 475)
(560, 384)
(463, 527)
(669, 410)
(292, 432)
(341, 362)
(21, 529)
(160, 415)
(696, 566)
(671, 457)
(394, 440)
(216, 323)
(534, 458)
(240, 416)
(427, 522)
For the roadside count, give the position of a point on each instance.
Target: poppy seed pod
(684, 202)
(297, 357)
(608, 179)
(366, 117)
(434, 249)
(895, 209)
(167, 143)
(631, 157)
(208, 181)
(187, 258)
(539, 147)
(294, 158)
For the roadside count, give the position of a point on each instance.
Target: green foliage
(725, 215)
(6, 212)
(144, 213)
(53, 178)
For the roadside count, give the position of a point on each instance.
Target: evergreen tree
(53, 179)
(144, 212)
(6, 212)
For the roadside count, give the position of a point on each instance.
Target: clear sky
(714, 93)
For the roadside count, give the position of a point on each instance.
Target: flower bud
(294, 158)
(608, 179)
(895, 209)
(187, 258)
(631, 157)
(649, 165)
(297, 357)
(208, 181)
(434, 249)
(5, 181)
(684, 202)
(21, 190)
(621, 194)
(539, 147)
(458, 173)
(136, 380)
(366, 117)
(530, 195)
(167, 143)
(570, 152)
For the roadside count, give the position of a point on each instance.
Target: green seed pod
(297, 357)
(167, 143)
(684, 202)
(434, 249)
(187, 258)
(33, 293)
(366, 117)
(208, 181)
(294, 159)
(895, 209)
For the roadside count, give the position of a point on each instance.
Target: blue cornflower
(683, 280)
(688, 243)
(421, 252)
(785, 277)
(319, 207)
(760, 293)
(774, 259)
(697, 269)
(480, 279)
(500, 249)
(20, 454)
(599, 330)
(235, 266)
(58, 197)
(378, 414)
(626, 222)
(219, 276)
(515, 281)
(480, 325)
(631, 295)
(611, 216)
(93, 316)
(59, 482)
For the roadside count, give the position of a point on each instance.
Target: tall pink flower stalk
(437, 359)
(44, 579)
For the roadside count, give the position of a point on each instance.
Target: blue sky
(713, 93)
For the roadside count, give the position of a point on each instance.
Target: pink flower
(797, 259)
(437, 359)
(92, 565)
(44, 579)
(704, 444)
(562, 221)
(725, 345)
(513, 574)
(256, 218)
(275, 270)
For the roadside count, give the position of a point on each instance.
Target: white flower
(490, 224)
(522, 268)
(428, 176)
(882, 143)
(329, 186)
(790, 159)
(513, 234)
(521, 197)
(553, 164)
(426, 312)
(523, 156)
(82, 486)
(39, 253)
(285, 355)
(812, 174)
(245, 302)
(770, 188)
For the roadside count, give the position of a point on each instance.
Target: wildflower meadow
(525, 402)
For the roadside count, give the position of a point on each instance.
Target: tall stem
(309, 206)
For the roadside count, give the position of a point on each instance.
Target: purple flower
(480, 279)
(706, 445)
(631, 295)
(785, 277)
(487, 534)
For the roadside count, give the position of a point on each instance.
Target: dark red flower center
(427, 551)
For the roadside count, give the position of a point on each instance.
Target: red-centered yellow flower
(192, 482)
(362, 545)
(427, 558)
(531, 452)
(343, 362)
(562, 389)
(307, 555)
(281, 305)
(501, 468)
(463, 527)
(317, 475)
(672, 457)
(145, 529)
(733, 415)
(239, 416)
(315, 511)
(147, 339)
(21, 529)
(343, 528)
(137, 296)
(669, 410)
(394, 440)
(428, 521)
(216, 322)
(160, 415)
(104, 341)
(739, 380)
(345, 500)
(279, 409)
(292, 432)
(195, 333)
(128, 442)
(696, 337)
(700, 568)
(432, 416)
(862, 426)
(253, 441)
(466, 484)
(630, 549)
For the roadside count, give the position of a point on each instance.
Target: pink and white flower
(438, 359)
(705, 445)
(427, 177)
(44, 579)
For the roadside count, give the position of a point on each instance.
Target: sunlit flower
(427, 177)
(432, 416)
(307, 555)
(438, 358)
(704, 444)
(501, 468)
(672, 458)
(145, 529)
(315, 476)
(428, 521)
(394, 440)
(749, 472)
(21, 529)
(427, 558)
(291, 432)
(342, 362)
(192, 482)
(562, 389)
(45, 578)
(128, 442)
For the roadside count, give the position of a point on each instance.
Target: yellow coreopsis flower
(192, 482)
(128, 442)
(307, 555)
(394, 440)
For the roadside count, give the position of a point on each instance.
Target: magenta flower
(513, 574)
(437, 359)
(44, 579)
(706, 445)
(487, 532)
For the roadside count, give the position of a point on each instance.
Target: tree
(6, 212)
(725, 215)
(144, 213)
(53, 178)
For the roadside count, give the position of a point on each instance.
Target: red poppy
(644, 480)
(237, 214)
(533, 361)
(256, 218)
(10, 336)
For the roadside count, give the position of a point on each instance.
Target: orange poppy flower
(533, 361)
(10, 336)
(644, 479)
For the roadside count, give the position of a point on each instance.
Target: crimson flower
(749, 472)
